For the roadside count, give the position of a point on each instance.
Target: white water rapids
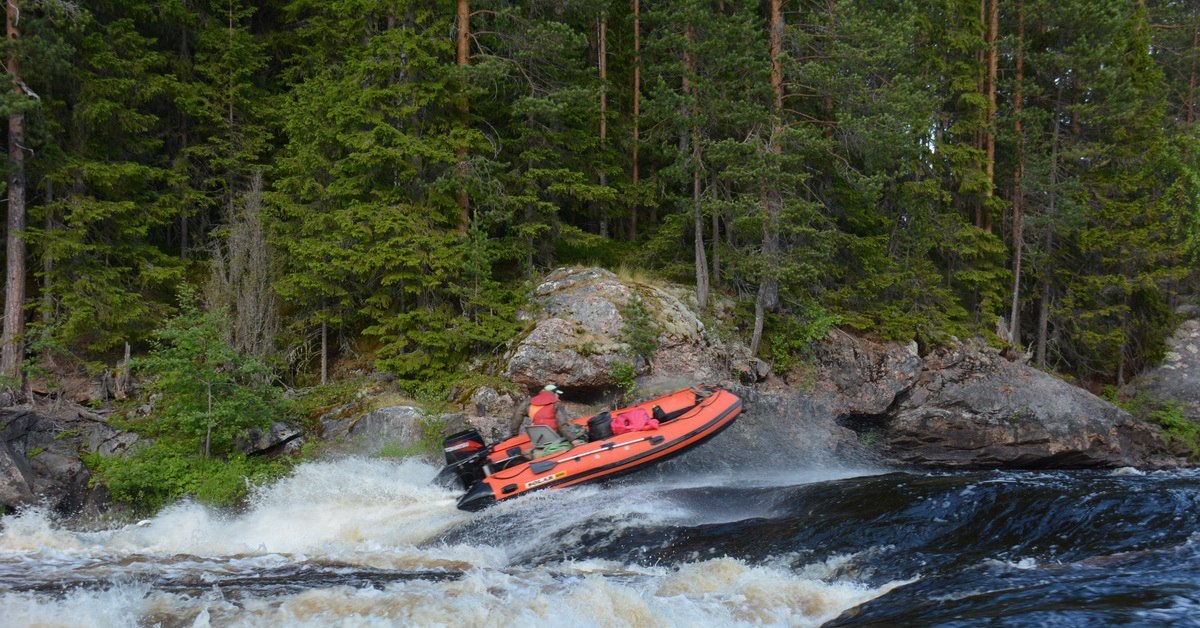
(368, 542)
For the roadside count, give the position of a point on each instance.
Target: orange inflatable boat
(513, 467)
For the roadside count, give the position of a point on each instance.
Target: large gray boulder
(576, 338)
(970, 407)
(41, 456)
(854, 376)
(368, 432)
(1177, 379)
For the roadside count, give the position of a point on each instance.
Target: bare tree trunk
(690, 88)
(463, 57)
(242, 276)
(123, 379)
(637, 108)
(324, 353)
(1043, 316)
(12, 343)
(47, 262)
(208, 432)
(828, 105)
(768, 285)
(1014, 330)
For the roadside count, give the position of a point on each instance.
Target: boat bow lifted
(513, 467)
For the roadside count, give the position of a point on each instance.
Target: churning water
(361, 542)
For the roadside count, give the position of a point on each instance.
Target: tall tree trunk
(637, 104)
(715, 277)
(1191, 97)
(324, 353)
(463, 57)
(768, 285)
(1014, 330)
(1048, 238)
(989, 131)
(12, 343)
(828, 105)
(48, 262)
(690, 87)
(603, 62)
(1043, 313)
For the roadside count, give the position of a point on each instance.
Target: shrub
(793, 336)
(208, 395)
(638, 330)
(1177, 428)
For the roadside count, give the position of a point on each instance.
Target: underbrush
(1177, 428)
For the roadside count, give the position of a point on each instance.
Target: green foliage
(625, 377)
(210, 394)
(638, 329)
(317, 400)
(793, 335)
(159, 474)
(207, 397)
(874, 179)
(1178, 428)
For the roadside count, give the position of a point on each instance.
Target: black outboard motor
(466, 454)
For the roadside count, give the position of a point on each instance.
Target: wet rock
(49, 443)
(370, 432)
(275, 440)
(854, 376)
(783, 429)
(972, 408)
(16, 479)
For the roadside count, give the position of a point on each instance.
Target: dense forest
(384, 178)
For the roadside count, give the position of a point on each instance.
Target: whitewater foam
(510, 565)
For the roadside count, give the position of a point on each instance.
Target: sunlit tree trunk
(768, 285)
(690, 87)
(12, 343)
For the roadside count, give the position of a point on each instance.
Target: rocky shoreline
(855, 402)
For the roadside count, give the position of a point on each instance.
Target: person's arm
(520, 415)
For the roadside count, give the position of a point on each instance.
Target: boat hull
(689, 418)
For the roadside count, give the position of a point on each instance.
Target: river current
(370, 542)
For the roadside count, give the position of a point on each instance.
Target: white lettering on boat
(548, 478)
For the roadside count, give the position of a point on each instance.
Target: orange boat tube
(686, 418)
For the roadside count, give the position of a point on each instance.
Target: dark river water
(362, 542)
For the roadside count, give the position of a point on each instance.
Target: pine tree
(1114, 304)
(108, 273)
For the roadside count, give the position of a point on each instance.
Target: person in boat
(543, 410)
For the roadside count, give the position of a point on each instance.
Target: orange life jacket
(542, 409)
